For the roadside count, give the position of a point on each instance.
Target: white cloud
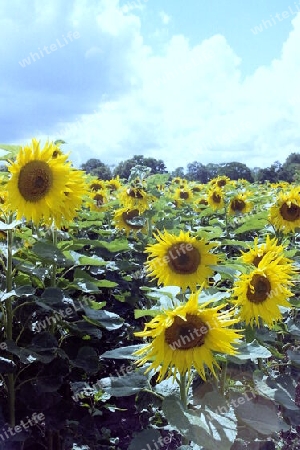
(110, 96)
(165, 18)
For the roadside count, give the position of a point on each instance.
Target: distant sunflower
(285, 213)
(260, 293)
(180, 260)
(183, 196)
(114, 184)
(75, 190)
(135, 198)
(36, 189)
(129, 220)
(187, 337)
(221, 181)
(215, 198)
(256, 253)
(239, 205)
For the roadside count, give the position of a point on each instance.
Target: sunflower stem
(54, 266)
(183, 386)
(223, 378)
(9, 326)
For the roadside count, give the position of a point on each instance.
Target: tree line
(196, 171)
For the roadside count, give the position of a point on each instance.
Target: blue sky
(183, 81)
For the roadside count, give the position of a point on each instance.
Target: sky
(212, 81)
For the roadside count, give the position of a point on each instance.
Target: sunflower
(215, 198)
(221, 181)
(260, 293)
(183, 196)
(256, 253)
(114, 184)
(135, 198)
(187, 337)
(180, 260)
(285, 213)
(239, 205)
(40, 183)
(129, 220)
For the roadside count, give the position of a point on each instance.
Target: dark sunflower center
(184, 195)
(290, 213)
(259, 290)
(135, 193)
(133, 219)
(99, 199)
(221, 183)
(95, 186)
(216, 198)
(186, 334)
(257, 260)
(237, 205)
(183, 258)
(35, 180)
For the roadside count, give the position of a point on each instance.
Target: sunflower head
(239, 205)
(186, 337)
(129, 220)
(260, 293)
(285, 213)
(215, 198)
(39, 182)
(180, 260)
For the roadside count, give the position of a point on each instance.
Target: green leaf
(117, 245)
(144, 439)
(7, 365)
(138, 313)
(123, 386)
(260, 414)
(250, 351)
(87, 359)
(256, 222)
(204, 427)
(10, 151)
(103, 318)
(51, 254)
(123, 352)
(91, 261)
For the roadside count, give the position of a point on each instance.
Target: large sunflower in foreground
(180, 260)
(187, 337)
(40, 183)
(256, 253)
(285, 213)
(260, 293)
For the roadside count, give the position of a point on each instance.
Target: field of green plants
(153, 313)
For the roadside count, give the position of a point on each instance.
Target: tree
(123, 169)
(235, 170)
(97, 168)
(197, 172)
(178, 172)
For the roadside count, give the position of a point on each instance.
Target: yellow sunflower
(221, 181)
(129, 220)
(135, 198)
(114, 184)
(40, 183)
(215, 198)
(187, 337)
(183, 196)
(285, 213)
(180, 260)
(260, 293)
(256, 253)
(239, 204)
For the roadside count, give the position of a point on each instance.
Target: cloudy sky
(178, 80)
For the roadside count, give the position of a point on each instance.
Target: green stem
(54, 266)
(183, 386)
(9, 327)
(223, 378)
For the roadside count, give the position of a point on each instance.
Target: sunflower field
(153, 313)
